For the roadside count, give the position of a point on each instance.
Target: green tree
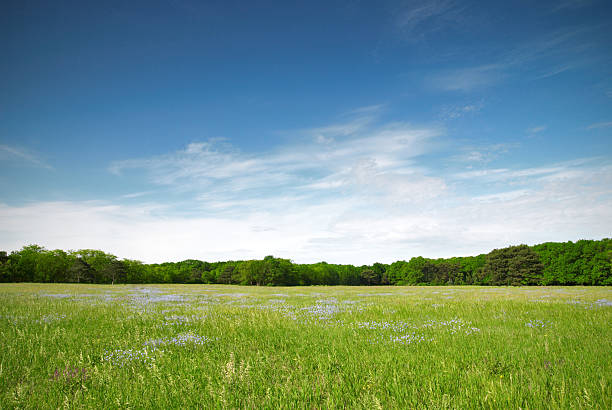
(114, 272)
(24, 263)
(226, 274)
(52, 266)
(135, 271)
(5, 268)
(515, 265)
(381, 273)
(80, 272)
(369, 277)
(100, 262)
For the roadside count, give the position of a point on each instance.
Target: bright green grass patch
(215, 346)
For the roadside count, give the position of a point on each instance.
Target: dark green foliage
(80, 272)
(441, 272)
(585, 262)
(5, 272)
(369, 277)
(515, 265)
(226, 274)
(136, 272)
(581, 263)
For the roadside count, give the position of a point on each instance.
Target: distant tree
(52, 266)
(135, 271)
(305, 275)
(5, 268)
(380, 270)
(440, 272)
(324, 273)
(80, 272)
(471, 269)
(349, 275)
(226, 274)
(114, 272)
(397, 273)
(414, 271)
(24, 263)
(369, 277)
(210, 276)
(585, 262)
(515, 265)
(100, 262)
(279, 272)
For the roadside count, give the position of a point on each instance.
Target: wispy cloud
(604, 124)
(353, 156)
(137, 194)
(553, 71)
(556, 171)
(467, 79)
(537, 129)
(12, 153)
(453, 112)
(531, 205)
(354, 192)
(553, 54)
(357, 191)
(482, 154)
(417, 18)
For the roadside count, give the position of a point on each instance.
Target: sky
(339, 131)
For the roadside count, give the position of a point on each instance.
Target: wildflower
(180, 340)
(537, 324)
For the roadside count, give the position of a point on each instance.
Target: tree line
(585, 262)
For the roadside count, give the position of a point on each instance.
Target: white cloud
(417, 18)
(574, 168)
(363, 199)
(13, 153)
(467, 79)
(606, 124)
(354, 192)
(345, 158)
(137, 194)
(555, 53)
(453, 112)
(483, 154)
(554, 205)
(535, 130)
(502, 196)
(553, 71)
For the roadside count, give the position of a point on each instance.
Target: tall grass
(220, 346)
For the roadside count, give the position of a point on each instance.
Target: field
(215, 346)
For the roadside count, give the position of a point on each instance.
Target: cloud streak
(561, 51)
(12, 153)
(606, 124)
(416, 19)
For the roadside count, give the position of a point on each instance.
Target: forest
(585, 262)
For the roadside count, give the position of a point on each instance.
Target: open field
(216, 346)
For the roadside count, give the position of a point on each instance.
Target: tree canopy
(585, 262)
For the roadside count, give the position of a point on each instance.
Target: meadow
(222, 346)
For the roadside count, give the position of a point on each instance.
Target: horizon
(336, 131)
(295, 262)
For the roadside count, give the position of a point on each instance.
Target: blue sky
(345, 131)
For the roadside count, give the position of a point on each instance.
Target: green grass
(304, 347)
